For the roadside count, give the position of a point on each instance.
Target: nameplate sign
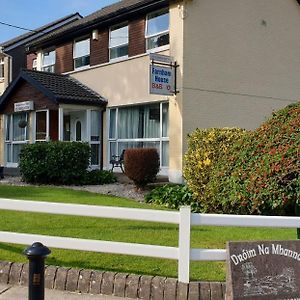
(263, 270)
(23, 106)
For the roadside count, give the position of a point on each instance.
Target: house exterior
(13, 55)
(237, 62)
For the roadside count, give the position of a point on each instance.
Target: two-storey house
(238, 61)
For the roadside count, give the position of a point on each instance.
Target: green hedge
(60, 163)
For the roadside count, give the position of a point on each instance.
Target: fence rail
(184, 218)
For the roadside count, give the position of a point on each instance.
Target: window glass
(95, 154)
(112, 124)
(78, 131)
(118, 41)
(81, 53)
(165, 154)
(165, 119)
(95, 125)
(8, 128)
(48, 63)
(19, 133)
(1, 68)
(157, 31)
(41, 125)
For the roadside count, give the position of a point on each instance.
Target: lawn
(117, 230)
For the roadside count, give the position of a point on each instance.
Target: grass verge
(117, 230)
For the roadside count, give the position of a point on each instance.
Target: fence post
(184, 244)
(36, 254)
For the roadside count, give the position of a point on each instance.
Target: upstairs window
(81, 54)
(157, 29)
(1, 68)
(48, 61)
(118, 41)
(34, 64)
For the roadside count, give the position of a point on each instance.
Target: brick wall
(26, 92)
(64, 58)
(30, 58)
(137, 44)
(99, 48)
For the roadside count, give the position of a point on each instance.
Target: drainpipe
(10, 63)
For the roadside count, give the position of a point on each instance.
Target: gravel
(126, 190)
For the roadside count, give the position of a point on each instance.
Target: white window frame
(125, 24)
(47, 126)
(86, 38)
(161, 48)
(44, 66)
(117, 140)
(2, 65)
(11, 141)
(34, 64)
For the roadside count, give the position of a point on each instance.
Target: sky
(32, 14)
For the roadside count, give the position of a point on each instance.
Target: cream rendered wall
(2, 87)
(241, 61)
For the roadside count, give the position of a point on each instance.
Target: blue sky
(32, 14)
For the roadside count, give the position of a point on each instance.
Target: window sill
(82, 68)
(159, 49)
(114, 60)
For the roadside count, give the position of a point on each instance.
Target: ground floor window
(16, 136)
(140, 126)
(42, 125)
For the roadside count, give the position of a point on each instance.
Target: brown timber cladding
(99, 48)
(137, 44)
(64, 58)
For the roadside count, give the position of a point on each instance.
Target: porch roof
(57, 87)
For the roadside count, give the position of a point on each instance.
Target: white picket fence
(184, 218)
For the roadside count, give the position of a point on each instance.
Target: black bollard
(36, 254)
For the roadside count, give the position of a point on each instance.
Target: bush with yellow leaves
(205, 148)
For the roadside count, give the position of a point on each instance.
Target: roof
(57, 87)
(106, 14)
(42, 30)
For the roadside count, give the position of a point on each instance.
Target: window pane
(7, 128)
(119, 52)
(129, 123)
(82, 48)
(158, 41)
(1, 70)
(16, 152)
(95, 149)
(151, 121)
(41, 125)
(165, 154)
(49, 58)
(157, 22)
(113, 149)
(50, 69)
(165, 119)
(78, 131)
(95, 125)
(118, 36)
(18, 132)
(112, 124)
(8, 153)
(82, 61)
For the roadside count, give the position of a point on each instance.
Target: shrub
(141, 165)
(172, 196)
(54, 162)
(265, 174)
(99, 177)
(205, 149)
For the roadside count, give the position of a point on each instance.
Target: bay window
(81, 53)
(48, 61)
(118, 41)
(140, 126)
(157, 29)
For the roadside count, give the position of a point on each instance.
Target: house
(13, 52)
(237, 62)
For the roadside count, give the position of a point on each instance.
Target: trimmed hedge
(141, 165)
(60, 163)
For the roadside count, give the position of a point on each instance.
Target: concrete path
(21, 293)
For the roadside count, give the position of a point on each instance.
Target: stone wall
(117, 284)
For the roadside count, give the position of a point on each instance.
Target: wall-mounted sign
(23, 106)
(161, 58)
(161, 80)
(263, 270)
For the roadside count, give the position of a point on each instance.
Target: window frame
(2, 65)
(161, 33)
(116, 140)
(111, 28)
(85, 38)
(50, 67)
